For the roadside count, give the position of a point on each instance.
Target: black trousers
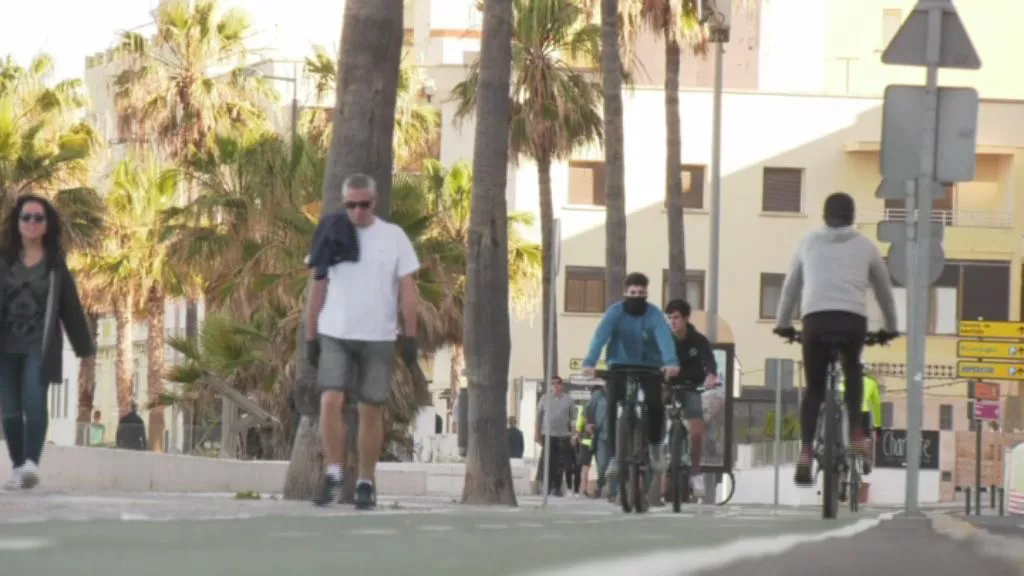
(651, 386)
(817, 354)
(557, 471)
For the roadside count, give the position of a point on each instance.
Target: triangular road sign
(909, 45)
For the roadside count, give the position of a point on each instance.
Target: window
(887, 414)
(945, 417)
(586, 183)
(783, 189)
(942, 208)
(694, 288)
(891, 20)
(771, 293)
(964, 290)
(947, 476)
(584, 290)
(693, 186)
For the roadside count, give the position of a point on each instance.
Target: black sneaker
(330, 491)
(366, 496)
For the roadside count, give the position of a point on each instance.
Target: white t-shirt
(362, 297)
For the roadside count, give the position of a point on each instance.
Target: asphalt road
(113, 535)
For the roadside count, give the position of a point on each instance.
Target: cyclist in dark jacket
(696, 366)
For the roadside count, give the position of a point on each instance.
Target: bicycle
(832, 451)
(680, 487)
(631, 446)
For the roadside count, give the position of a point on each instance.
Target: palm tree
(615, 179)
(488, 471)
(554, 107)
(133, 264)
(417, 123)
(676, 22)
(450, 193)
(190, 82)
(45, 147)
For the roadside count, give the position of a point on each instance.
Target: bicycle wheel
(854, 487)
(638, 468)
(830, 472)
(679, 475)
(624, 456)
(729, 488)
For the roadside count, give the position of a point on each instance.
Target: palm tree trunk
(155, 368)
(87, 384)
(615, 184)
(674, 172)
(124, 365)
(361, 141)
(547, 240)
(488, 470)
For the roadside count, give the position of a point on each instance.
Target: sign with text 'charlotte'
(891, 449)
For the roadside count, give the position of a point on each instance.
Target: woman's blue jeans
(23, 394)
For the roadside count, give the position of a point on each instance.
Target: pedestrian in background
(38, 301)
(516, 442)
(559, 429)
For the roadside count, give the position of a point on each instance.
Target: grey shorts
(357, 367)
(693, 405)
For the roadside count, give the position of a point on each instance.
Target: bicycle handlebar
(637, 371)
(877, 338)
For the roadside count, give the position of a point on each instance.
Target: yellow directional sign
(986, 329)
(982, 349)
(577, 364)
(990, 370)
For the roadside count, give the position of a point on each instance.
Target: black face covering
(635, 305)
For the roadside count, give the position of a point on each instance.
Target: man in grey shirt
(831, 272)
(559, 428)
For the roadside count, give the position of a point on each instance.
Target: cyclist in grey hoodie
(831, 272)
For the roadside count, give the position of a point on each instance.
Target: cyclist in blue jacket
(637, 335)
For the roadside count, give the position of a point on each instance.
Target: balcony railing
(960, 218)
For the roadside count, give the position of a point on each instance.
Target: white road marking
(24, 544)
(529, 525)
(492, 526)
(435, 528)
(373, 532)
(694, 561)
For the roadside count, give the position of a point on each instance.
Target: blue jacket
(633, 340)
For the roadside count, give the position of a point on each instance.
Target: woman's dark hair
(678, 305)
(13, 245)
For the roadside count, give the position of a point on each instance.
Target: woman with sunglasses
(37, 298)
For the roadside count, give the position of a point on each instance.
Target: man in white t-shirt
(351, 332)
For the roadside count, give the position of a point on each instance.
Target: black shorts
(585, 456)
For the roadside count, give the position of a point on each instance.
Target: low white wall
(757, 485)
(101, 469)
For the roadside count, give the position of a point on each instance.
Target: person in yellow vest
(871, 410)
(586, 452)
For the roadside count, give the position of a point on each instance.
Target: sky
(67, 30)
(70, 30)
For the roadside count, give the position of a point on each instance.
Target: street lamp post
(716, 13)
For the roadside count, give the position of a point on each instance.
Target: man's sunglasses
(353, 205)
(37, 218)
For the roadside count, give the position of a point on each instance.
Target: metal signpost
(928, 138)
(552, 345)
(985, 397)
(779, 374)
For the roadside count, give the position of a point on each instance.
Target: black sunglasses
(33, 217)
(365, 205)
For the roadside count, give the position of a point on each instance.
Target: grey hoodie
(831, 271)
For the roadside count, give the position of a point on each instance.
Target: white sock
(334, 471)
